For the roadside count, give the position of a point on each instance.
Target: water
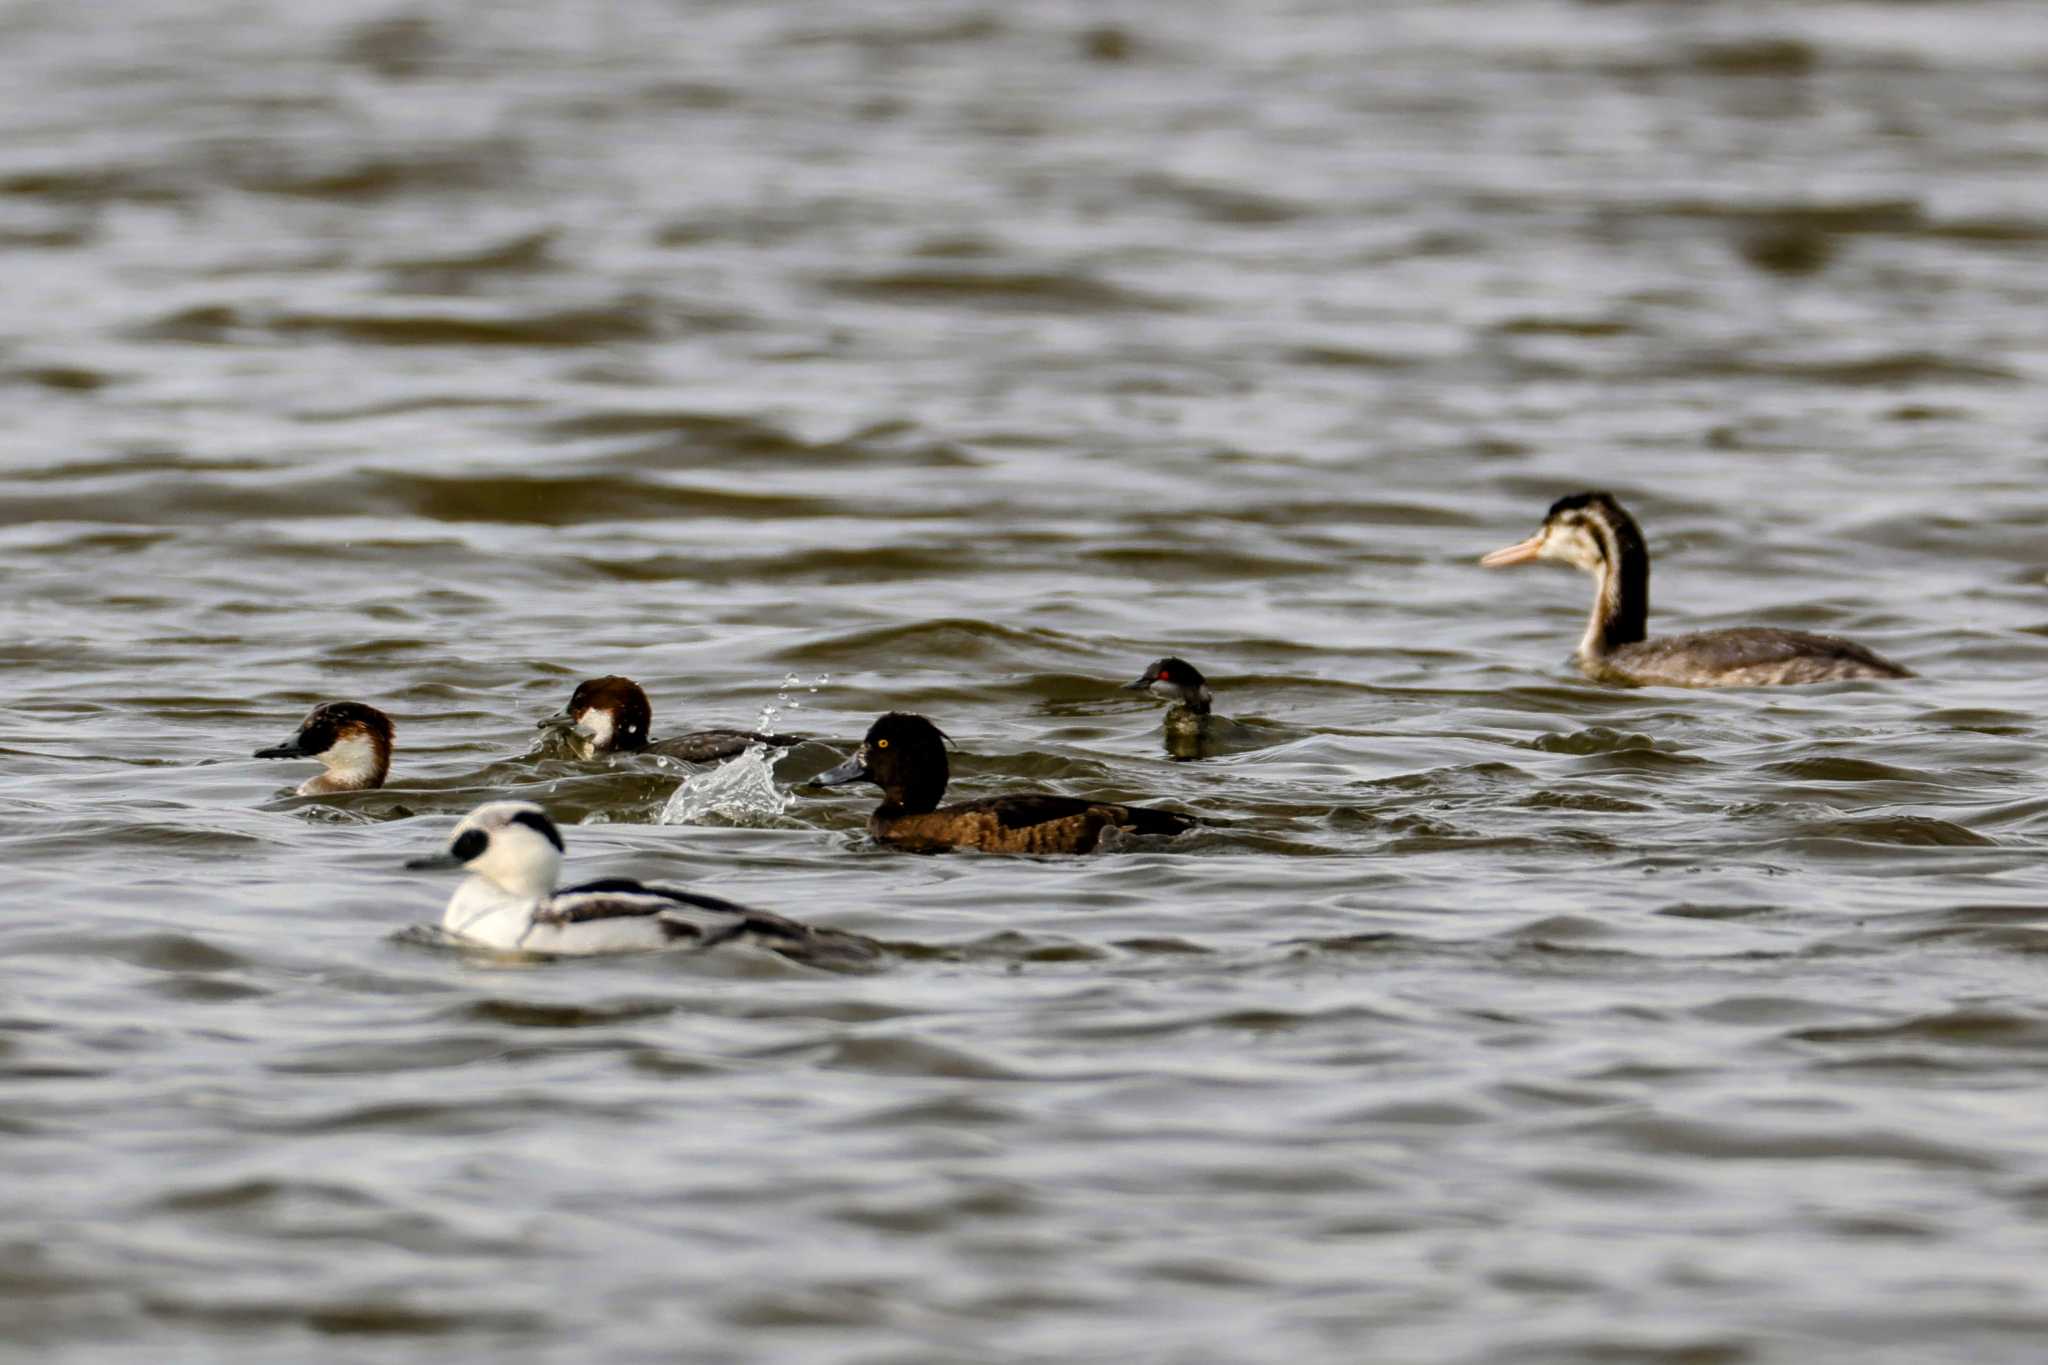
(744, 790)
(971, 358)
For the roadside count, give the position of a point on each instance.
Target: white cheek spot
(351, 755)
(1572, 545)
(596, 725)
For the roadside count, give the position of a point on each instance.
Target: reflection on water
(955, 361)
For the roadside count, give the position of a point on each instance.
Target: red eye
(1166, 675)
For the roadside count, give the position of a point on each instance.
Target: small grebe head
(605, 714)
(1590, 531)
(1579, 530)
(510, 844)
(351, 740)
(904, 755)
(1174, 680)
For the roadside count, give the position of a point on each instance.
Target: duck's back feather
(713, 746)
(708, 920)
(609, 896)
(1027, 823)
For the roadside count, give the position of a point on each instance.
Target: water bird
(509, 901)
(1590, 531)
(612, 715)
(1190, 730)
(352, 742)
(905, 755)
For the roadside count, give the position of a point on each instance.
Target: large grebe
(1590, 531)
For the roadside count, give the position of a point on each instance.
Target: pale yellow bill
(1521, 552)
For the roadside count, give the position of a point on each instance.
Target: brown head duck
(611, 715)
(905, 755)
(1590, 531)
(352, 742)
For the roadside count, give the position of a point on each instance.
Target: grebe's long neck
(1621, 601)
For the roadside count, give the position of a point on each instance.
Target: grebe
(1190, 730)
(905, 755)
(1590, 531)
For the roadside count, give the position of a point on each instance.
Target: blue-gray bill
(853, 770)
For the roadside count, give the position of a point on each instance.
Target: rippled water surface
(836, 357)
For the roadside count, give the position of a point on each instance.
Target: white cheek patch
(596, 726)
(351, 755)
(1573, 546)
(1164, 690)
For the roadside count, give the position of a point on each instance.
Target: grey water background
(966, 358)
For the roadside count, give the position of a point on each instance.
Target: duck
(1190, 730)
(611, 715)
(510, 901)
(905, 755)
(1591, 531)
(352, 742)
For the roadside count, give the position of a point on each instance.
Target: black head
(904, 755)
(1170, 670)
(1173, 679)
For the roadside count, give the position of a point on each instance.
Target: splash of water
(786, 698)
(741, 791)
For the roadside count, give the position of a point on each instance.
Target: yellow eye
(881, 744)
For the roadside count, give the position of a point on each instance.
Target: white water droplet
(742, 791)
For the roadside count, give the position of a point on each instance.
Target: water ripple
(975, 359)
